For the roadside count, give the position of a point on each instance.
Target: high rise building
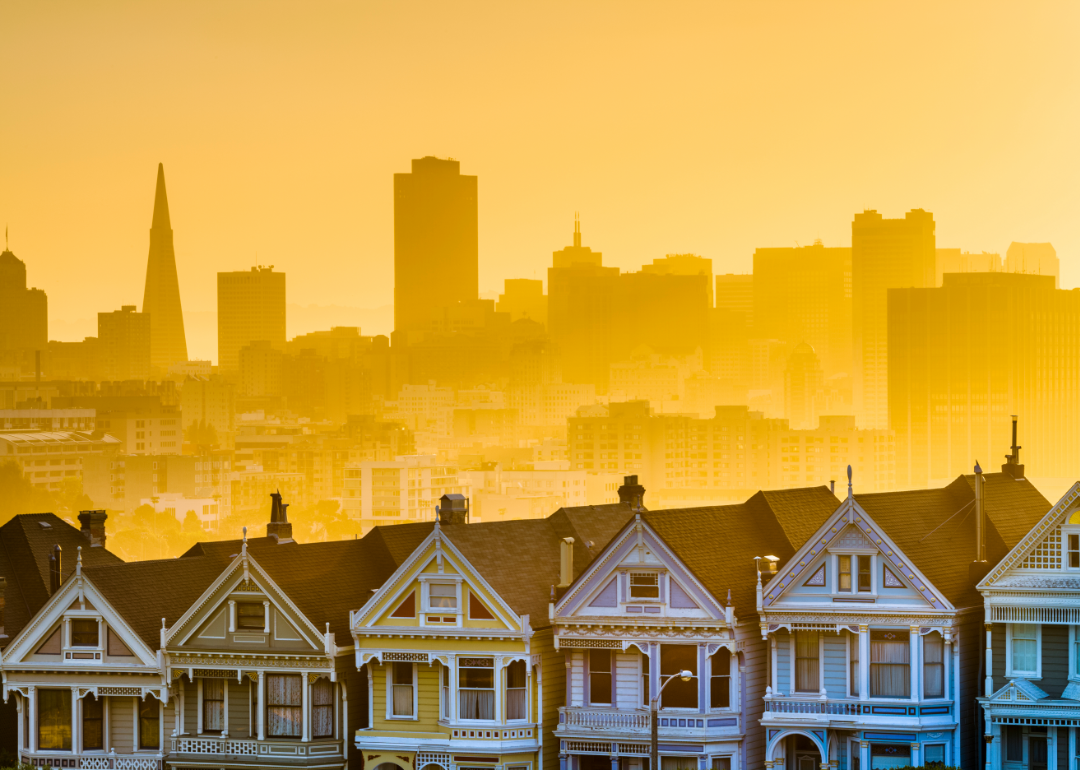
(966, 356)
(683, 264)
(251, 308)
(24, 313)
(803, 294)
(124, 344)
(161, 297)
(436, 257)
(804, 388)
(735, 292)
(523, 298)
(1034, 259)
(885, 254)
(957, 261)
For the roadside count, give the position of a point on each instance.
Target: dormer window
(250, 615)
(854, 574)
(84, 633)
(644, 585)
(442, 596)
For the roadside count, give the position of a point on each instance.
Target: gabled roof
(25, 547)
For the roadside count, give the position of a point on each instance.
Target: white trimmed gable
(1045, 553)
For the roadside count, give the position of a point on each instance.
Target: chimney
(54, 570)
(279, 526)
(632, 493)
(453, 509)
(1012, 464)
(566, 562)
(93, 527)
(977, 569)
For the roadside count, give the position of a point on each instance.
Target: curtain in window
(516, 690)
(476, 688)
(322, 709)
(1025, 647)
(933, 666)
(806, 662)
(213, 705)
(284, 711)
(403, 689)
(890, 657)
(853, 653)
(678, 763)
(92, 736)
(1014, 743)
(477, 704)
(149, 723)
(54, 719)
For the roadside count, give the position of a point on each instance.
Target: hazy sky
(672, 127)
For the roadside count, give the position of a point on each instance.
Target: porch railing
(92, 761)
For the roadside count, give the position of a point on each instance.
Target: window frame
(647, 574)
(854, 671)
(425, 596)
(205, 701)
(725, 678)
(332, 706)
(268, 704)
(795, 691)
(263, 612)
(525, 688)
(1067, 533)
(695, 680)
(140, 720)
(1014, 672)
(494, 688)
(854, 573)
(870, 664)
(944, 753)
(83, 719)
(391, 683)
(65, 713)
(609, 673)
(923, 639)
(97, 634)
(1074, 654)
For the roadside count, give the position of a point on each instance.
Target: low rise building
(46, 458)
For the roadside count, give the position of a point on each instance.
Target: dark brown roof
(25, 547)
(935, 528)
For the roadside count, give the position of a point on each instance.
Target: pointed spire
(161, 202)
(577, 230)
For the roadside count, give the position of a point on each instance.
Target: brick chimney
(279, 526)
(453, 509)
(632, 493)
(93, 527)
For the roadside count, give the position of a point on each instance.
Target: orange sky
(712, 128)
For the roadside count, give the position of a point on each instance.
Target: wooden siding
(191, 707)
(834, 666)
(577, 679)
(239, 710)
(1055, 660)
(972, 646)
(121, 725)
(783, 662)
(752, 671)
(553, 673)
(627, 680)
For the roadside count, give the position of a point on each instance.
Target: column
(199, 707)
(32, 704)
(266, 617)
(106, 723)
(864, 666)
(772, 660)
(305, 705)
(225, 709)
(20, 709)
(864, 755)
(989, 662)
(913, 641)
(1051, 748)
(76, 733)
(915, 755)
(232, 616)
(183, 697)
(261, 711)
(948, 691)
(161, 725)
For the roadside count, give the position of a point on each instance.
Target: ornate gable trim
(1053, 519)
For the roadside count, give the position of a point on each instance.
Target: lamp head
(685, 675)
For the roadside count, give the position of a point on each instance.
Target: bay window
(403, 689)
(600, 677)
(516, 691)
(284, 706)
(1023, 656)
(933, 666)
(92, 732)
(213, 705)
(673, 659)
(54, 719)
(476, 688)
(720, 681)
(322, 709)
(149, 723)
(890, 664)
(807, 662)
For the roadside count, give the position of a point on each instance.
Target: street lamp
(654, 759)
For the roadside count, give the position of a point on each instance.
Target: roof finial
(78, 561)
(729, 597)
(849, 493)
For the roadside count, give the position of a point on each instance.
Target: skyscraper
(24, 313)
(161, 297)
(436, 257)
(1034, 259)
(251, 308)
(885, 254)
(124, 344)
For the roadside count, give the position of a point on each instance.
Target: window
(644, 585)
(92, 735)
(934, 755)
(149, 723)
(1074, 551)
(54, 719)
(600, 677)
(720, 681)
(890, 664)
(843, 573)
(250, 615)
(673, 659)
(1014, 743)
(807, 662)
(678, 763)
(284, 712)
(1024, 656)
(476, 688)
(854, 574)
(721, 763)
(442, 596)
(853, 657)
(213, 705)
(865, 583)
(444, 700)
(885, 755)
(644, 679)
(322, 709)
(84, 633)
(933, 666)
(516, 692)
(403, 689)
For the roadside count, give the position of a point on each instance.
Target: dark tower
(161, 298)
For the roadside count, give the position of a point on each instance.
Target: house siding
(972, 645)
(577, 679)
(191, 707)
(753, 673)
(1055, 660)
(553, 673)
(834, 666)
(627, 677)
(121, 726)
(239, 710)
(783, 663)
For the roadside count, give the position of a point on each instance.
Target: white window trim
(390, 715)
(795, 692)
(834, 581)
(528, 690)
(848, 638)
(425, 595)
(944, 668)
(1065, 532)
(660, 598)
(1009, 670)
(1074, 639)
(945, 753)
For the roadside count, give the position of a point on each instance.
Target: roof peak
(161, 202)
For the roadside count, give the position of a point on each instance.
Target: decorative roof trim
(1027, 543)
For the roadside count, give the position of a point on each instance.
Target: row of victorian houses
(795, 630)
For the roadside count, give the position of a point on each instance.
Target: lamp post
(654, 759)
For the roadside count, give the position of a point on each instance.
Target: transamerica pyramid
(161, 298)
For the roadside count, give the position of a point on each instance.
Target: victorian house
(874, 626)
(1029, 667)
(673, 592)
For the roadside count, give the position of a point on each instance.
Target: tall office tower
(1034, 259)
(683, 264)
(251, 308)
(957, 261)
(436, 253)
(803, 294)
(161, 297)
(668, 313)
(523, 298)
(581, 297)
(885, 254)
(804, 388)
(124, 344)
(966, 356)
(24, 313)
(735, 292)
